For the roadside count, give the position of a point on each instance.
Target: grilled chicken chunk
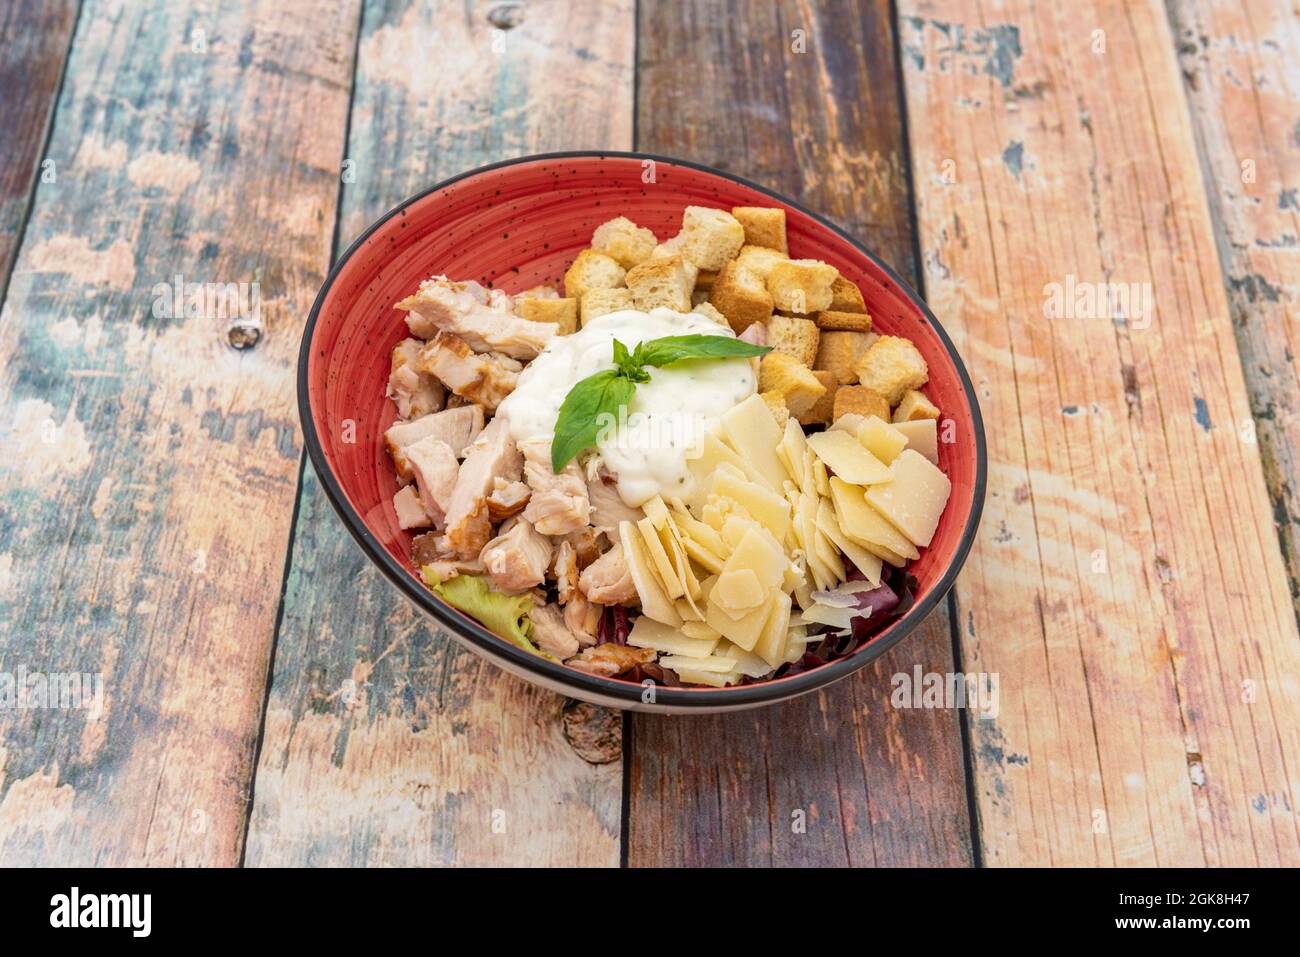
(517, 559)
(485, 379)
(434, 467)
(608, 509)
(610, 659)
(607, 580)
(583, 618)
(559, 502)
(491, 456)
(457, 427)
(409, 508)
(507, 499)
(564, 569)
(551, 634)
(484, 320)
(416, 393)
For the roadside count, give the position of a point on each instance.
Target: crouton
(563, 313)
(790, 379)
(592, 270)
(821, 411)
(914, 405)
(846, 297)
(795, 337)
(763, 226)
(538, 292)
(892, 366)
(838, 352)
(661, 282)
(707, 309)
(601, 302)
(674, 247)
(776, 405)
(859, 400)
(705, 279)
(801, 285)
(624, 241)
(760, 260)
(710, 237)
(842, 321)
(741, 296)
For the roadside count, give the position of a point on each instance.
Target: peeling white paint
(170, 172)
(40, 449)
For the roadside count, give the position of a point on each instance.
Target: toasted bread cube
(708, 309)
(892, 366)
(592, 270)
(838, 352)
(562, 312)
(624, 241)
(846, 296)
(601, 302)
(675, 247)
(661, 282)
(741, 296)
(705, 279)
(842, 321)
(795, 337)
(859, 400)
(760, 260)
(763, 226)
(821, 411)
(710, 237)
(801, 285)
(914, 405)
(790, 379)
(776, 405)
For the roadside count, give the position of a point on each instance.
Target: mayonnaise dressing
(646, 452)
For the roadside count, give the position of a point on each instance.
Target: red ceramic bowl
(520, 223)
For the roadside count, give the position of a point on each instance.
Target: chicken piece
(491, 456)
(485, 379)
(485, 320)
(430, 550)
(609, 659)
(559, 502)
(409, 508)
(507, 499)
(608, 508)
(583, 618)
(416, 393)
(607, 580)
(586, 544)
(755, 334)
(564, 569)
(434, 467)
(456, 427)
(517, 559)
(550, 633)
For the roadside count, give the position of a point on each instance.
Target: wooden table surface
(270, 700)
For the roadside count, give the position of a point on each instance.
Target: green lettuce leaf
(507, 615)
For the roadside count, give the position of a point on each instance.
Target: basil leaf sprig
(610, 391)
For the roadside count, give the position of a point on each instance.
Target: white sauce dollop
(647, 452)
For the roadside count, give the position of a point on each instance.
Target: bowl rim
(737, 696)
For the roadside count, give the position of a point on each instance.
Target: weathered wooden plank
(385, 741)
(801, 97)
(1127, 585)
(149, 468)
(34, 40)
(1239, 63)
